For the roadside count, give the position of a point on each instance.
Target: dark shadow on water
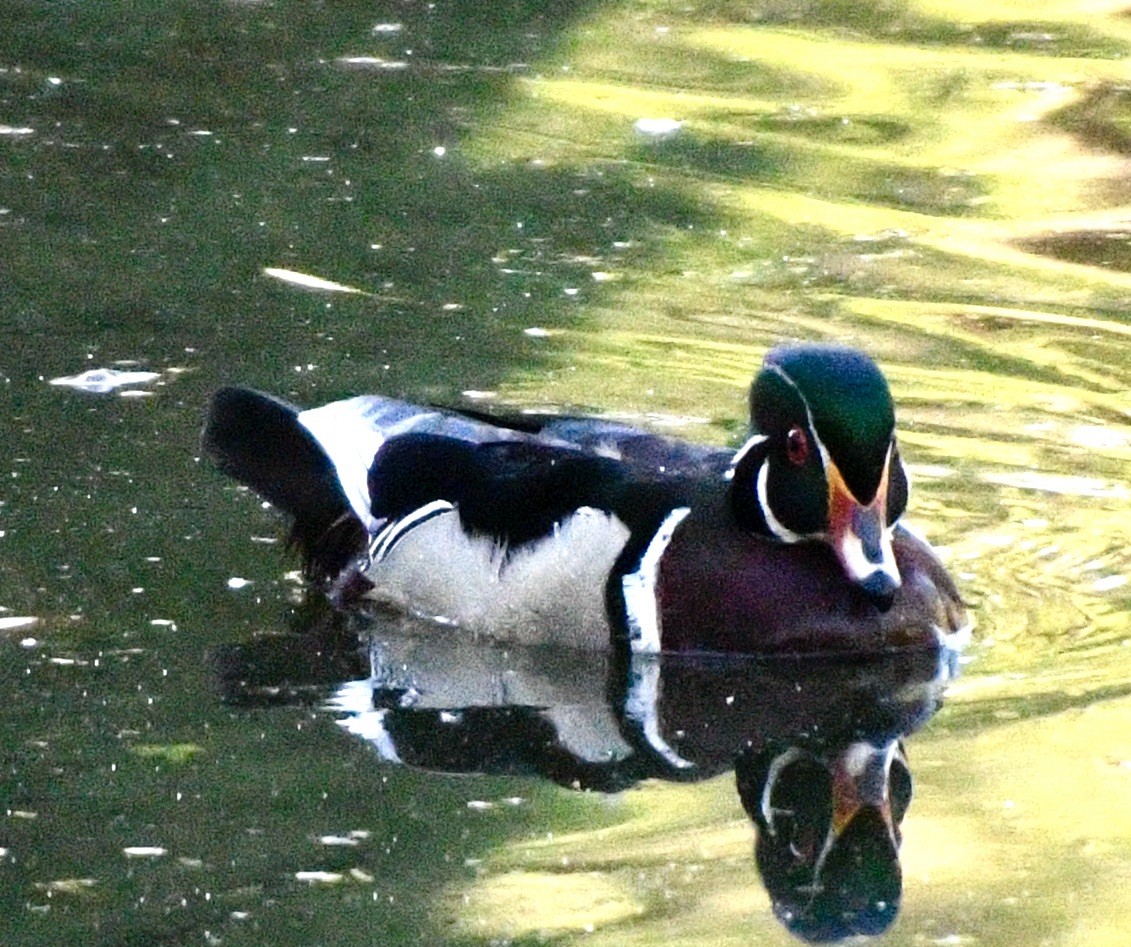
(988, 713)
(768, 159)
(1100, 117)
(1110, 249)
(175, 151)
(178, 151)
(840, 129)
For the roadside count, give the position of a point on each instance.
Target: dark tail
(258, 440)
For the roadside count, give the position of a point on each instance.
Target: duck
(590, 533)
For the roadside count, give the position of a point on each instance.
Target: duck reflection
(816, 743)
(828, 834)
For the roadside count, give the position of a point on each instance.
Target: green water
(941, 183)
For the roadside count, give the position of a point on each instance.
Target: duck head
(822, 462)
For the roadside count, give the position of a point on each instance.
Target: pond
(611, 208)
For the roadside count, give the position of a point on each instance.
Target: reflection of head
(828, 835)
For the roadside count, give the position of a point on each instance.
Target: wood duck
(587, 533)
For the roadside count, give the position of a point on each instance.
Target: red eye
(796, 446)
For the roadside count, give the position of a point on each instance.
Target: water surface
(942, 184)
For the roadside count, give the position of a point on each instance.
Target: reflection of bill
(816, 743)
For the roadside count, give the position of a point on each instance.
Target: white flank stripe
(371, 726)
(388, 537)
(639, 588)
(355, 699)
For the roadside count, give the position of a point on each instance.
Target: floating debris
(308, 281)
(66, 885)
(101, 381)
(16, 622)
(144, 851)
(372, 62)
(345, 841)
(658, 129)
(320, 877)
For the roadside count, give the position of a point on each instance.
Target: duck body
(591, 534)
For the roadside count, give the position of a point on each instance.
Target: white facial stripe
(751, 443)
(781, 531)
(784, 533)
(776, 369)
(902, 470)
(850, 548)
(639, 588)
(826, 458)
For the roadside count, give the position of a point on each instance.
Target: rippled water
(941, 183)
